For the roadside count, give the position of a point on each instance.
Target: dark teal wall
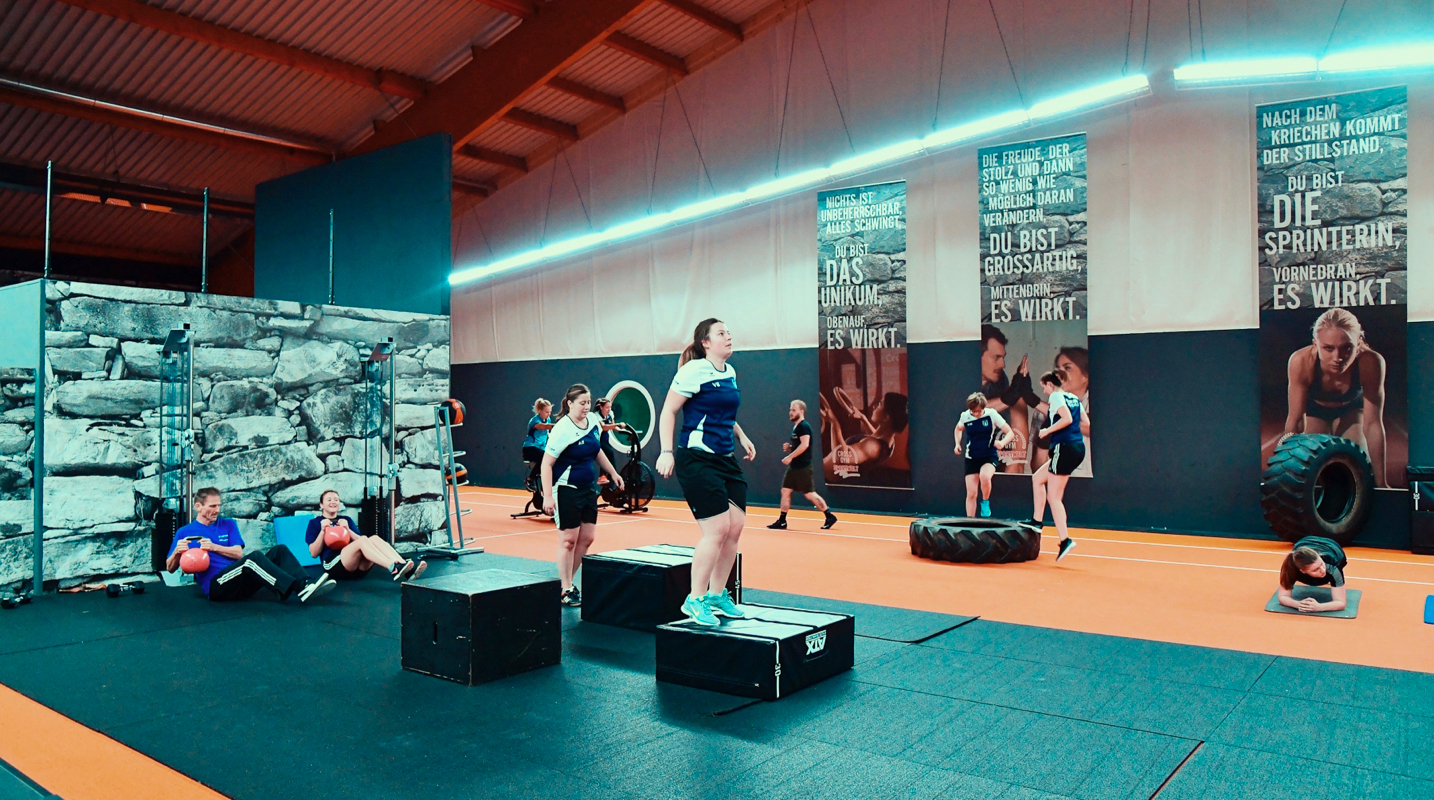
(1176, 445)
(392, 223)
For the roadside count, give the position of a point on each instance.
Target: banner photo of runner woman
(1333, 265)
(1033, 287)
(861, 336)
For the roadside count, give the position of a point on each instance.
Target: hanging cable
(677, 90)
(657, 158)
(941, 69)
(830, 81)
(786, 95)
(1145, 53)
(572, 175)
(396, 115)
(1190, 27)
(548, 211)
(1200, 10)
(1009, 63)
(1129, 31)
(1330, 40)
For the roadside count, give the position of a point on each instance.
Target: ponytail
(696, 349)
(574, 392)
(1055, 377)
(1290, 569)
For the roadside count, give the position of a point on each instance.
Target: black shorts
(336, 570)
(533, 454)
(575, 506)
(800, 480)
(710, 483)
(974, 465)
(1066, 456)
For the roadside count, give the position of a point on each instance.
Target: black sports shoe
(1066, 546)
(831, 520)
(779, 525)
(1033, 523)
(571, 598)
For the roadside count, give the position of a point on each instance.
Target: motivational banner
(1033, 286)
(1333, 267)
(861, 335)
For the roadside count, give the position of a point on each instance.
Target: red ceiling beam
(219, 36)
(518, 8)
(473, 187)
(639, 49)
(480, 92)
(99, 251)
(126, 116)
(498, 157)
(541, 124)
(706, 16)
(575, 89)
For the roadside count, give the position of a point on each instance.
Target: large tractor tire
(1317, 485)
(975, 541)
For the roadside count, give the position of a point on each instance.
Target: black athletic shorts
(336, 570)
(576, 506)
(974, 465)
(800, 480)
(710, 482)
(533, 454)
(1066, 456)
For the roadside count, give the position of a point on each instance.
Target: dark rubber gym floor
(262, 700)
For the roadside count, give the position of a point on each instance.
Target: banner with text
(1033, 286)
(1333, 263)
(861, 336)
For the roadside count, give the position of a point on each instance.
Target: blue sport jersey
(576, 451)
(223, 532)
(711, 407)
(980, 433)
(535, 437)
(1070, 433)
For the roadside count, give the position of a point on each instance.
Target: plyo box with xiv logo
(768, 655)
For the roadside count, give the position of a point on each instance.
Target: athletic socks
(780, 524)
(985, 508)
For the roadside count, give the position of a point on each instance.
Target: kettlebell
(194, 559)
(336, 537)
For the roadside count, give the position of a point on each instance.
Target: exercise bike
(639, 481)
(534, 484)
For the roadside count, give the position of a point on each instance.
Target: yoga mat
(1320, 593)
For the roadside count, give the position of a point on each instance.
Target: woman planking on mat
(705, 391)
(570, 462)
(1315, 561)
(979, 423)
(1336, 385)
(352, 561)
(1048, 483)
(537, 436)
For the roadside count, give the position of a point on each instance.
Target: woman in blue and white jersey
(705, 391)
(979, 424)
(571, 459)
(1048, 483)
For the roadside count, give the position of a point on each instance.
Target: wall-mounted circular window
(633, 405)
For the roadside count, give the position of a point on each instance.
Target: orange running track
(1196, 590)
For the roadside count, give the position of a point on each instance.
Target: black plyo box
(1421, 521)
(643, 587)
(474, 627)
(770, 654)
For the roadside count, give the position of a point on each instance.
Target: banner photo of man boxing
(861, 336)
(1033, 289)
(1333, 265)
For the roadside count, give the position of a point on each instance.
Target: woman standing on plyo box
(570, 461)
(705, 390)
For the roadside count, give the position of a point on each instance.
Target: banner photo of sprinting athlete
(861, 336)
(1033, 287)
(1333, 266)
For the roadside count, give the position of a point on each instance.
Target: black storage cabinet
(474, 627)
(770, 654)
(1421, 521)
(643, 587)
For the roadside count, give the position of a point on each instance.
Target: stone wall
(275, 391)
(17, 448)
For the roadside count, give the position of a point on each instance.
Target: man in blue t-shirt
(232, 575)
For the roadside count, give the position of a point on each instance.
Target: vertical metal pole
(331, 256)
(37, 463)
(392, 429)
(204, 251)
(49, 200)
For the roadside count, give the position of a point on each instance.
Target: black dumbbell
(117, 589)
(11, 600)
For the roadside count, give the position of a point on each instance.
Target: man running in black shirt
(799, 476)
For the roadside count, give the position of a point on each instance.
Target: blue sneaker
(985, 508)
(699, 612)
(722, 604)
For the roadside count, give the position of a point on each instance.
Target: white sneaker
(322, 586)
